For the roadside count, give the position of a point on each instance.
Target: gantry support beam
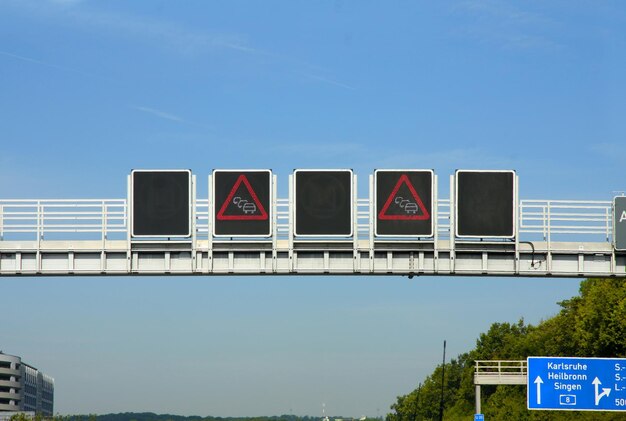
(282, 257)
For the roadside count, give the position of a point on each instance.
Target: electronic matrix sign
(161, 203)
(242, 203)
(323, 203)
(404, 203)
(485, 204)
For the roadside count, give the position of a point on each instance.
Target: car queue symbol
(411, 208)
(242, 203)
(404, 203)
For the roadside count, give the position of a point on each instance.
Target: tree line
(591, 324)
(150, 416)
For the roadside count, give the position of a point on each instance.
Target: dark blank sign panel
(323, 203)
(242, 203)
(485, 204)
(404, 203)
(161, 203)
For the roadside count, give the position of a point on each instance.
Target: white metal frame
(270, 211)
(190, 205)
(456, 207)
(352, 204)
(433, 205)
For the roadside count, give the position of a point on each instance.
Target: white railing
(22, 217)
(104, 218)
(550, 217)
(202, 217)
(500, 367)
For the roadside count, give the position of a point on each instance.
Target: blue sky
(91, 90)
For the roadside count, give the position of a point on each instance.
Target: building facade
(24, 388)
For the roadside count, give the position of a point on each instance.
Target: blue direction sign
(577, 384)
(479, 417)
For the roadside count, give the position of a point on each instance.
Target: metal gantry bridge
(498, 372)
(559, 238)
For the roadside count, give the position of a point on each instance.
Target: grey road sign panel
(161, 203)
(577, 384)
(485, 204)
(404, 203)
(323, 203)
(619, 223)
(242, 203)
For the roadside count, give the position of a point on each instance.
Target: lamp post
(443, 375)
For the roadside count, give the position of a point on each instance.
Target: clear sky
(90, 90)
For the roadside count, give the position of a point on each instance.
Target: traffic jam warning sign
(404, 203)
(242, 203)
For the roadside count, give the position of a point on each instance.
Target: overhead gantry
(322, 227)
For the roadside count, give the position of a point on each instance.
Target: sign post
(404, 201)
(576, 384)
(619, 223)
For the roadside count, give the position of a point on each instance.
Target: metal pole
(417, 402)
(435, 217)
(478, 399)
(292, 213)
(372, 215)
(210, 223)
(355, 225)
(443, 375)
(453, 219)
(194, 225)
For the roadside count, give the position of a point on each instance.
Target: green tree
(592, 324)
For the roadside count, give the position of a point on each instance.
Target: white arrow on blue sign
(577, 384)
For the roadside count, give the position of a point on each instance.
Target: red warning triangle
(251, 211)
(410, 209)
